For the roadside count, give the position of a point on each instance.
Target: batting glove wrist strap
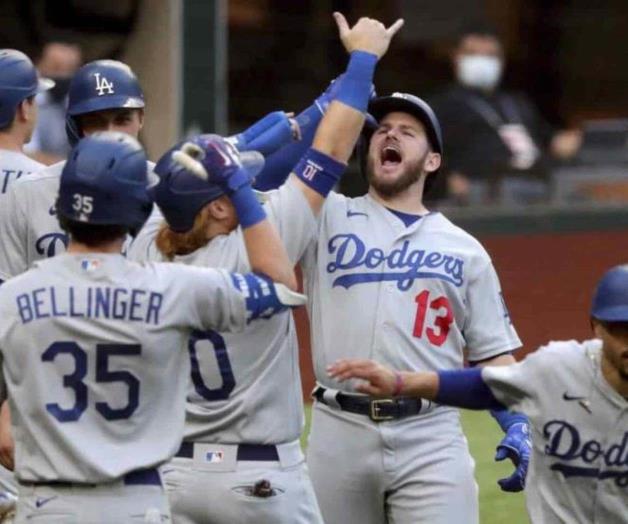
(319, 171)
(355, 87)
(506, 418)
(247, 206)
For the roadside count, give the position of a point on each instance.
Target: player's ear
(25, 110)
(220, 209)
(140, 115)
(432, 162)
(597, 327)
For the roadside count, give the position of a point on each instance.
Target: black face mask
(60, 89)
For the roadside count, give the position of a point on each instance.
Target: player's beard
(411, 173)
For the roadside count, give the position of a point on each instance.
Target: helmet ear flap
(72, 130)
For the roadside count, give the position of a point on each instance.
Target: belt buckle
(376, 406)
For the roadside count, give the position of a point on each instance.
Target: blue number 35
(75, 382)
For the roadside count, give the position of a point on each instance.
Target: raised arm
(323, 165)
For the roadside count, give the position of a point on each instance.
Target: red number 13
(442, 322)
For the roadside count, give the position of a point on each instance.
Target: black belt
(252, 452)
(139, 477)
(377, 410)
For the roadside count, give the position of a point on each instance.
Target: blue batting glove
(517, 446)
(212, 157)
(268, 134)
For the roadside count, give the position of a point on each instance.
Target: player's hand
(7, 445)
(367, 34)
(380, 381)
(517, 446)
(213, 158)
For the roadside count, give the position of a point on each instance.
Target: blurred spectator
(497, 145)
(59, 61)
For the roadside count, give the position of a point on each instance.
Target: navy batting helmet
(105, 182)
(97, 86)
(181, 194)
(404, 103)
(610, 301)
(18, 81)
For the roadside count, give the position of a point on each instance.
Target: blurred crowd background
(532, 94)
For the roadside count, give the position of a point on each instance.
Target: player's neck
(115, 246)
(216, 228)
(408, 201)
(615, 379)
(11, 141)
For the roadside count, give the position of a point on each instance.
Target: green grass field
(483, 433)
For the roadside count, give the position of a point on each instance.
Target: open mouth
(390, 156)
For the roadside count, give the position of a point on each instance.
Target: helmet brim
(44, 84)
(612, 314)
(107, 102)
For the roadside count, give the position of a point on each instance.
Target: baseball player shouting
(238, 464)
(92, 344)
(389, 280)
(576, 395)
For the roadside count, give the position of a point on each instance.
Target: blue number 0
(224, 366)
(75, 380)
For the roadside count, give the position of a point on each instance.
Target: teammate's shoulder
(570, 349)
(337, 203)
(12, 285)
(52, 172)
(445, 227)
(19, 161)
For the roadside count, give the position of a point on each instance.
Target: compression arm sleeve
(465, 388)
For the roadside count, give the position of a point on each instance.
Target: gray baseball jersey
(245, 388)
(579, 467)
(412, 297)
(29, 229)
(102, 339)
(14, 165)
(423, 292)
(243, 383)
